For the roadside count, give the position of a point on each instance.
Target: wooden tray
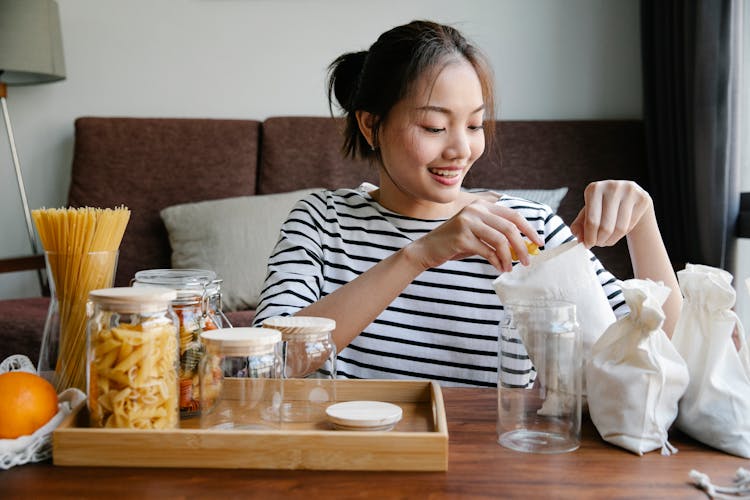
(418, 442)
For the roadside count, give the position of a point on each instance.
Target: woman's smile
(448, 176)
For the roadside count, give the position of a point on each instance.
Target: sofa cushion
(241, 318)
(22, 326)
(148, 164)
(232, 237)
(304, 152)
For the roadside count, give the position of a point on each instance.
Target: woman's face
(429, 141)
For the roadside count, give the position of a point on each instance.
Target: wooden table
(478, 468)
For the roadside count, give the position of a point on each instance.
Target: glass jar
(309, 366)
(215, 303)
(240, 379)
(132, 358)
(198, 296)
(62, 353)
(540, 374)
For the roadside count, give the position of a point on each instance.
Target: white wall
(257, 58)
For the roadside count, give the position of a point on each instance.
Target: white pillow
(231, 236)
(550, 197)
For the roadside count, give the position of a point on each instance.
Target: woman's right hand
(481, 228)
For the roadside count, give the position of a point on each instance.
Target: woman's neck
(402, 203)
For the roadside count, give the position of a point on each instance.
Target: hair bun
(345, 74)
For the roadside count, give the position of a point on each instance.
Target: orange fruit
(28, 402)
(532, 247)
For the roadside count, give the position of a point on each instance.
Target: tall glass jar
(309, 366)
(240, 376)
(62, 357)
(198, 295)
(132, 358)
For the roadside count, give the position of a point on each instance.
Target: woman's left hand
(612, 209)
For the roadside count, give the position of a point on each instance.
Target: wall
(742, 269)
(256, 58)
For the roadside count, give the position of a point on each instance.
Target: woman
(405, 269)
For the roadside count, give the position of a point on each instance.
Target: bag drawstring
(666, 448)
(741, 489)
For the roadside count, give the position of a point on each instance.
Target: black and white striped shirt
(443, 326)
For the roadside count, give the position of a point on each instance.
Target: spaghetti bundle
(81, 247)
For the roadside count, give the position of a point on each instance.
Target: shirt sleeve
(295, 266)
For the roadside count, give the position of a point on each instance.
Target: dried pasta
(81, 248)
(133, 376)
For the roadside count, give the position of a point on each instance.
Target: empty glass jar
(240, 379)
(309, 359)
(132, 358)
(198, 296)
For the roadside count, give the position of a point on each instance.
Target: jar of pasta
(240, 378)
(198, 296)
(132, 358)
(309, 366)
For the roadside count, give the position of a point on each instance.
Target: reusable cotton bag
(562, 273)
(635, 376)
(716, 406)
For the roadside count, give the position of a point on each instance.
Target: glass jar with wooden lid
(240, 379)
(132, 358)
(309, 366)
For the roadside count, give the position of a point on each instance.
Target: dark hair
(376, 79)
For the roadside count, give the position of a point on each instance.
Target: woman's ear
(366, 122)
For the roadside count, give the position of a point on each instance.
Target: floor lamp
(30, 53)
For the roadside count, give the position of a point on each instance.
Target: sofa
(151, 165)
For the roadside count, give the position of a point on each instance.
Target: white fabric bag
(635, 377)
(562, 273)
(716, 407)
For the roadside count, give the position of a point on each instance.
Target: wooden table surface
(478, 468)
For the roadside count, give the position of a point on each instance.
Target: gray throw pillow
(232, 237)
(550, 197)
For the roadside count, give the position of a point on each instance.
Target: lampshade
(30, 42)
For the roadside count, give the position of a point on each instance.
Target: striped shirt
(442, 327)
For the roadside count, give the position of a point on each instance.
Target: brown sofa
(148, 164)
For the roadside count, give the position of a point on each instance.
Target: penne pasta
(141, 391)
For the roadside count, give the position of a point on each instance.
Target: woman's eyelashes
(437, 130)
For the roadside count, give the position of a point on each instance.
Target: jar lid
(241, 340)
(298, 326)
(215, 286)
(364, 415)
(129, 300)
(187, 282)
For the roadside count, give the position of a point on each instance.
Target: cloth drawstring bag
(716, 406)
(563, 273)
(635, 376)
